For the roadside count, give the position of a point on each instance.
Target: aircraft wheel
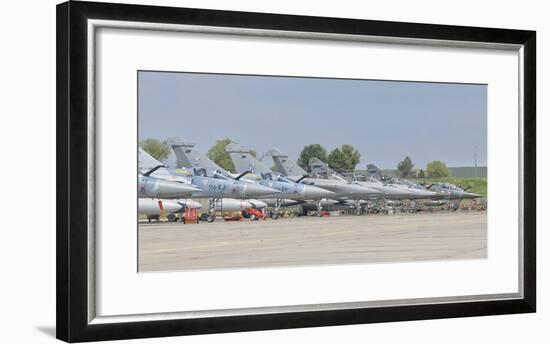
(275, 216)
(211, 218)
(253, 217)
(153, 217)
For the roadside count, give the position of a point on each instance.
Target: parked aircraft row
(256, 186)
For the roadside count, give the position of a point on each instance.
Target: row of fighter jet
(161, 189)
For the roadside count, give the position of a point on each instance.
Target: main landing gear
(211, 215)
(274, 214)
(358, 210)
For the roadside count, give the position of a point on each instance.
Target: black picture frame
(72, 171)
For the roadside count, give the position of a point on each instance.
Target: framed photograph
(228, 171)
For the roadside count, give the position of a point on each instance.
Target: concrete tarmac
(312, 241)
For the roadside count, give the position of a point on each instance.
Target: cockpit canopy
(200, 172)
(275, 177)
(284, 179)
(408, 183)
(448, 186)
(203, 172)
(328, 174)
(268, 176)
(322, 174)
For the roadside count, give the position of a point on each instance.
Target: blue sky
(384, 120)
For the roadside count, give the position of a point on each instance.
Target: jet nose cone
(315, 192)
(471, 195)
(253, 190)
(170, 189)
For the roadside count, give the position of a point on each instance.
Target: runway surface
(312, 241)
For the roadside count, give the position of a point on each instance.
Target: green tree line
(340, 159)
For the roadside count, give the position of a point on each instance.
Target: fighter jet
(384, 191)
(213, 183)
(244, 161)
(217, 186)
(342, 189)
(417, 190)
(452, 192)
(203, 167)
(222, 190)
(151, 187)
(390, 191)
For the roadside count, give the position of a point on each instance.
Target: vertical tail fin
(284, 165)
(317, 166)
(146, 161)
(374, 171)
(244, 160)
(190, 157)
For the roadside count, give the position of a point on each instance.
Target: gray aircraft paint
(341, 188)
(417, 191)
(190, 157)
(151, 187)
(217, 188)
(391, 192)
(244, 161)
(380, 191)
(452, 192)
(207, 186)
(146, 163)
(285, 165)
